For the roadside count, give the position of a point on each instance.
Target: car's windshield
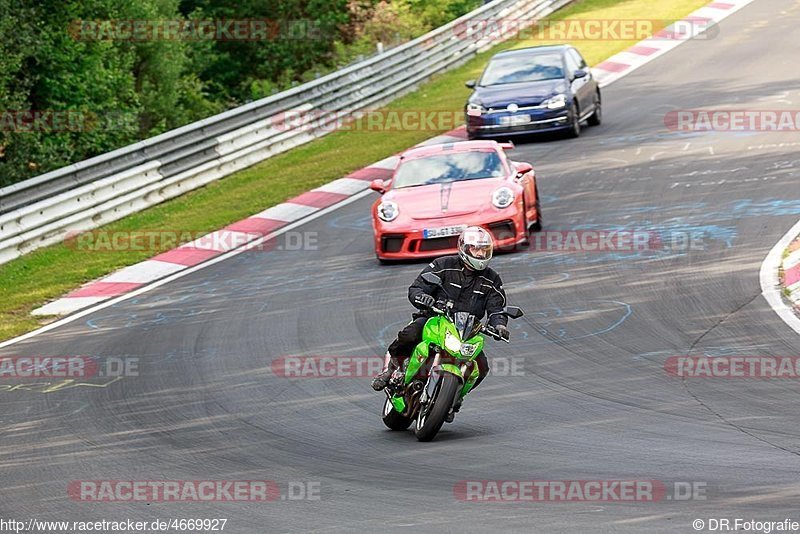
(516, 69)
(444, 168)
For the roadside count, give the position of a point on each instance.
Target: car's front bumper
(492, 125)
(409, 244)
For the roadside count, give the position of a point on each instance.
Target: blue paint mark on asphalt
(560, 332)
(351, 221)
(554, 325)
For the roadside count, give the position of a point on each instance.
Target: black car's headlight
(556, 102)
(475, 110)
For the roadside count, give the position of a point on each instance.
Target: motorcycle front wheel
(431, 418)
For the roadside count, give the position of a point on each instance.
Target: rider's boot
(456, 407)
(381, 380)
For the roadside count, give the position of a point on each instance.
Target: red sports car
(436, 191)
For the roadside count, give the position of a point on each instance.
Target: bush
(127, 91)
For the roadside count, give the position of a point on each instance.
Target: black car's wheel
(392, 419)
(431, 418)
(597, 117)
(575, 121)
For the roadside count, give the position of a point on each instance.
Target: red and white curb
(791, 273)
(268, 223)
(773, 285)
(239, 234)
(688, 28)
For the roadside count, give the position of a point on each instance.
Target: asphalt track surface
(593, 401)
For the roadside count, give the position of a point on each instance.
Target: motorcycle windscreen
(466, 325)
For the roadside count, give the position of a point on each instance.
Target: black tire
(393, 420)
(537, 226)
(596, 118)
(575, 122)
(525, 222)
(442, 403)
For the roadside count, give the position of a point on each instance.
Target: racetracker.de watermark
(632, 491)
(733, 366)
(367, 366)
(67, 367)
(586, 29)
(367, 121)
(733, 120)
(621, 241)
(53, 121)
(199, 30)
(163, 240)
(123, 491)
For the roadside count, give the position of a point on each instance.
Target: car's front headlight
(388, 211)
(452, 343)
(475, 110)
(556, 102)
(503, 197)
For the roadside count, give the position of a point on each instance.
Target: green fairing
(473, 377)
(434, 332)
(417, 359)
(452, 369)
(399, 404)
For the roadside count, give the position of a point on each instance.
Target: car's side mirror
(522, 168)
(513, 312)
(378, 185)
(432, 279)
(471, 84)
(581, 73)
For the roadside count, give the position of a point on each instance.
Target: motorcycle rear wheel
(394, 420)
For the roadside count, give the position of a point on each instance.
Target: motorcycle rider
(473, 287)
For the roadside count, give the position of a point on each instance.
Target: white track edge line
(180, 274)
(226, 255)
(671, 47)
(771, 285)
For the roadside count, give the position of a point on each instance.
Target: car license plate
(514, 120)
(447, 231)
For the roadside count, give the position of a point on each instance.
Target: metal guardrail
(41, 211)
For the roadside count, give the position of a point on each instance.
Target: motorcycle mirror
(432, 279)
(514, 312)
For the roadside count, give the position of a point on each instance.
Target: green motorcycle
(441, 370)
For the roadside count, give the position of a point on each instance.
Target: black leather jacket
(477, 292)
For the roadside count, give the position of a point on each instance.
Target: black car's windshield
(444, 168)
(516, 69)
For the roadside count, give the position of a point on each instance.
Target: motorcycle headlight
(452, 343)
(475, 110)
(468, 350)
(557, 102)
(503, 197)
(388, 211)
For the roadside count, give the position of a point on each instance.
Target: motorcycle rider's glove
(502, 330)
(424, 300)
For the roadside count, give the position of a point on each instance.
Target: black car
(537, 89)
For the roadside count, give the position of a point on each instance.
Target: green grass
(34, 279)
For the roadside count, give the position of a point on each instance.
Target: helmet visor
(480, 252)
